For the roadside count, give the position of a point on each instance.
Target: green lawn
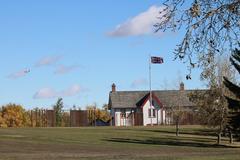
(114, 143)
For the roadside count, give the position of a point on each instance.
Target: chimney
(113, 87)
(181, 86)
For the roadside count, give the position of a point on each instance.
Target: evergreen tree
(233, 101)
(58, 111)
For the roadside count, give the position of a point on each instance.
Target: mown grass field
(100, 143)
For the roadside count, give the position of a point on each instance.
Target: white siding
(158, 119)
(128, 121)
(122, 121)
(164, 117)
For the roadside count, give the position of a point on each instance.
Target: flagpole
(154, 60)
(150, 88)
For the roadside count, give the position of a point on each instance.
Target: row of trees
(13, 115)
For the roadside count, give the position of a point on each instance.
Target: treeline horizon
(15, 115)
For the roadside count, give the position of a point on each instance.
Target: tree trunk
(219, 138)
(220, 133)
(177, 127)
(231, 137)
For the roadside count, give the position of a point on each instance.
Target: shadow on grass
(200, 132)
(191, 142)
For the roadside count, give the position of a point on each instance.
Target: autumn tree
(210, 27)
(97, 113)
(14, 115)
(91, 109)
(176, 109)
(65, 119)
(58, 111)
(105, 115)
(211, 109)
(211, 103)
(234, 100)
(2, 121)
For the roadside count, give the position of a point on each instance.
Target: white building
(130, 108)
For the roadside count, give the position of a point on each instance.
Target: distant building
(131, 108)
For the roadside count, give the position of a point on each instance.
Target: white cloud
(19, 74)
(65, 69)
(47, 92)
(71, 91)
(48, 60)
(139, 82)
(141, 24)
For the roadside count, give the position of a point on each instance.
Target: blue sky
(77, 49)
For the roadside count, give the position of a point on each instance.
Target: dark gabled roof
(133, 99)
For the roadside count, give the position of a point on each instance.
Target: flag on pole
(157, 60)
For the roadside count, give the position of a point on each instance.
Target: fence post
(31, 114)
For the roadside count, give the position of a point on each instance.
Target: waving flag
(157, 60)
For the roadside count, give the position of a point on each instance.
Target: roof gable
(134, 99)
(147, 98)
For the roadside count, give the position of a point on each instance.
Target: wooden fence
(79, 118)
(72, 118)
(138, 119)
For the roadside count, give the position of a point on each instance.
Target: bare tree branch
(211, 27)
